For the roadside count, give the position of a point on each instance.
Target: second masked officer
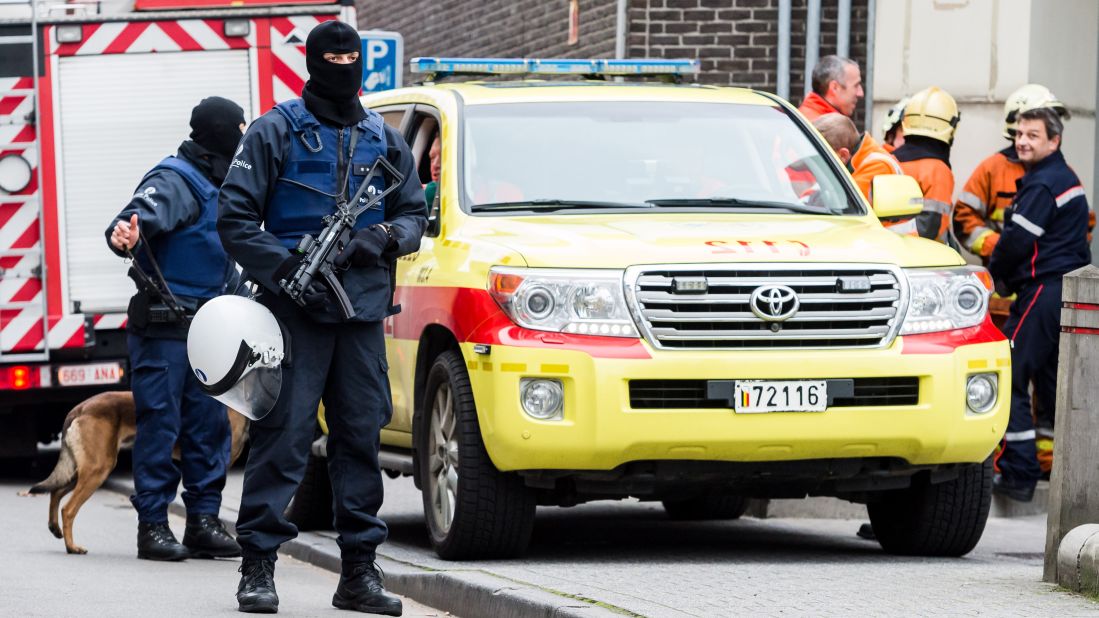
(287, 175)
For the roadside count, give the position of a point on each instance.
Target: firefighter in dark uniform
(1045, 236)
(169, 227)
(293, 164)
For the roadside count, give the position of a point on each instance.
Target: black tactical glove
(315, 296)
(366, 247)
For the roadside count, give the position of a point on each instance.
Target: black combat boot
(361, 589)
(205, 537)
(256, 592)
(156, 542)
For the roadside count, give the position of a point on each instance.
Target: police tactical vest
(310, 182)
(192, 259)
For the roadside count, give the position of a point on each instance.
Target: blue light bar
(552, 66)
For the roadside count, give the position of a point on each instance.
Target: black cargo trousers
(345, 364)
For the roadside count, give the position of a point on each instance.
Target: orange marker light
(505, 283)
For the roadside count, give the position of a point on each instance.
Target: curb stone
(461, 592)
(1078, 559)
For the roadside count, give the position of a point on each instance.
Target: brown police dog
(91, 437)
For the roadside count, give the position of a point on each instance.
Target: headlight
(946, 299)
(585, 302)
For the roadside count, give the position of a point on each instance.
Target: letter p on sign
(375, 50)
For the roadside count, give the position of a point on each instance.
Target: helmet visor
(254, 396)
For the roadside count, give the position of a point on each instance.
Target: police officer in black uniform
(294, 163)
(1045, 236)
(169, 227)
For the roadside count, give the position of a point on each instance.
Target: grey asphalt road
(37, 577)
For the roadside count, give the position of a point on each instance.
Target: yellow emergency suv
(674, 293)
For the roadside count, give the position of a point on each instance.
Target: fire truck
(92, 95)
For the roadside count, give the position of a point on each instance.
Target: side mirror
(434, 225)
(896, 196)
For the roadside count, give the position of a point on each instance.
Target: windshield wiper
(740, 203)
(556, 204)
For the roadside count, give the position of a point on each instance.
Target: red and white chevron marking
(288, 58)
(110, 321)
(151, 36)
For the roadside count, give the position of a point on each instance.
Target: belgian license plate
(85, 375)
(759, 396)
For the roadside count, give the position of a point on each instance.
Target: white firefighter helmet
(235, 348)
(1030, 96)
(894, 116)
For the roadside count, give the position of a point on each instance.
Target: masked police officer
(293, 165)
(168, 227)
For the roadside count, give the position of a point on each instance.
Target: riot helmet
(235, 348)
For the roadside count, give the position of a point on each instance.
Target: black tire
(944, 519)
(493, 513)
(311, 507)
(711, 505)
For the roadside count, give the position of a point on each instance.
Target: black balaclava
(332, 92)
(215, 129)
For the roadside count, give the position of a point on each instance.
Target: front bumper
(601, 431)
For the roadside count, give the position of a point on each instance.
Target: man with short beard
(292, 166)
(1045, 236)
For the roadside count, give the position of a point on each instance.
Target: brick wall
(735, 40)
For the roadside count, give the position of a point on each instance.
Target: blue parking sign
(383, 59)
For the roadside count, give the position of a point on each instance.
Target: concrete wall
(981, 51)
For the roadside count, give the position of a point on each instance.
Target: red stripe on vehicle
(1081, 306)
(287, 75)
(179, 36)
(126, 38)
(474, 317)
(28, 239)
(8, 104)
(7, 211)
(31, 339)
(51, 244)
(947, 341)
(263, 61)
(71, 49)
(234, 42)
(26, 293)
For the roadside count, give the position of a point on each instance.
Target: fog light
(981, 392)
(542, 399)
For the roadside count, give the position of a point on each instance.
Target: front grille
(691, 394)
(721, 317)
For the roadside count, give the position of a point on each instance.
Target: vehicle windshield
(650, 154)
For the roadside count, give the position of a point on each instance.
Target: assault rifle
(319, 253)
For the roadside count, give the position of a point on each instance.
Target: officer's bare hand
(125, 234)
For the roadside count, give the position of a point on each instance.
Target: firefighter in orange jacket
(930, 119)
(864, 157)
(837, 87)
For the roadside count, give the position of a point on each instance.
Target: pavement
(37, 577)
(627, 558)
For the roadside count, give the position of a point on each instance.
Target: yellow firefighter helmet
(932, 113)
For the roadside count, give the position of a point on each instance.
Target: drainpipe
(843, 27)
(812, 42)
(782, 76)
(620, 30)
(868, 76)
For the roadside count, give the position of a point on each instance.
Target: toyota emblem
(774, 303)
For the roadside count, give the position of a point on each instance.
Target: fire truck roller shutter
(119, 115)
